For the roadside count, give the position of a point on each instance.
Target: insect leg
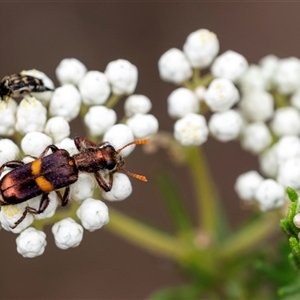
(11, 164)
(65, 198)
(102, 182)
(52, 147)
(43, 205)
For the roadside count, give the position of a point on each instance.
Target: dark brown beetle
(59, 170)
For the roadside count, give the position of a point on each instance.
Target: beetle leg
(11, 164)
(83, 143)
(52, 147)
(102, 182)
(65, 198)
(43, 205)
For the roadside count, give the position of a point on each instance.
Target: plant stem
(113, 100)
(249, 235)
(144, 236)
(205, 193)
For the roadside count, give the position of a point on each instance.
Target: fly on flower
(17, 85)
(59, 170)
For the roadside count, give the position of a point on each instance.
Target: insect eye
(110, 165)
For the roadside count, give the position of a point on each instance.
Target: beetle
(17, 85)
(58, 170)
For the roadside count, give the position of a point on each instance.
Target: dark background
(40, 34)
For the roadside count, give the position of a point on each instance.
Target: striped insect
(59, 170)
(17, 85)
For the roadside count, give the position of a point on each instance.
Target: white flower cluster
(271, 113)
(185, 103)
(265, 119)
(29, 119)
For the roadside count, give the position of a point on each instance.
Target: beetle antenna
(139, 177)
(136, 142)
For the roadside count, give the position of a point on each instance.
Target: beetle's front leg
(102, 182)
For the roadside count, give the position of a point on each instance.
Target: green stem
(205, 192)
(144, 236)
(113, 100)
(249, 236)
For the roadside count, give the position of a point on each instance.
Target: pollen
(10, 210)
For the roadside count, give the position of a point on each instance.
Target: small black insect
(17, 85)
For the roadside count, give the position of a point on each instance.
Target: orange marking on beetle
(36, 167)
(44, 184)
(71, 162)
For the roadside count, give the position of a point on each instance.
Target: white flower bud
(221, 95)
(34, 143)
(70, 70)
(10, 214)
(289, 173)
(44, 97)
(230, 65)
(256, 137)
(173, 66)
(31, 243)
(225, 126)
(57, 128)
(65, 102)
(191, 130)
(118, 136)
(287, 75)
(7, 117)
(270, 195)
(83, 188)
(69, 145)
(9, 151)
(296, 220)
(31, 116)
(253, 79)
(268, 66)
(99, 119)
(246, 185)
(286, 121)
(201, 47)
(67, 233)
(120, 190)
(287, 147)
(137, 104)
(122, 75)
(143, 125)
(181, 102)
(94, 88)
(93, 214)
(268, 163)
(257, 105)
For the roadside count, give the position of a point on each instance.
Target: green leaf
(295, 246)
(293, 196)
(290, 291)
